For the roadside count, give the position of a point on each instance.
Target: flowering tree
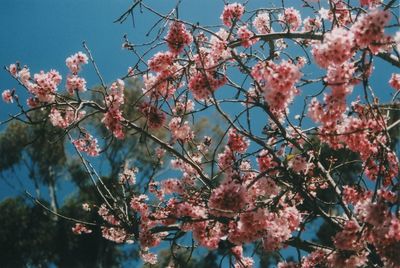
(265, 181)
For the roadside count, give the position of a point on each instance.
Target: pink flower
(148, 257)
(312, 24)
(161, 61)
(183, 106)
(219, 46)
(113, 117)
(229, 198)
(45, 85)
(87, 144)
(369, 29)
(203, 85)
(104, 212)
(180, 131)
(64, 119)
(262, 23)
(265, 161)
(24, 75)
(86, 207)
(291, 17)
(370, 3)
(348, 238)
(395, 81)
(75, 61)
(237, 142)
(75, 82)
(178, 37)
(7, 96)
(33, 102)
(299, 164)
(312, 260)
(277, 82)
(117, 235)
(336, 49)
(161, 84)
(246, 36)
(79, 228)
(138, 204)
(155, 118)
(231, 13)
(13, 69)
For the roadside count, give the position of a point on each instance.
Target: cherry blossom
(75, 61)
(178, 37)
(80, 229)
(291, 17)
(7, 96)
(232, 13)
(395, 81)
(262, 23)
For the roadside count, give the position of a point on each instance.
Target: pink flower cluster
(368, 30)
(232, 13)
(24, 75)
(113, 117)
(240, 260)
(340, 13)
(262, 23)
(128, 176)
(277, 81)
(44, 86)
(266, 161)
(105, 213)
(157, 86)
(161, 61)
(148, 257)
(183, 106)
(87, 144)
(115, 234)
(291, 17)
(79, 228)
(381, 227)
(74, 82)
(162, 83)
(155, 118)
(228, 199)
(202, 85)
(300, 165)
(64, 119)
(219, 47)
(237, 142)
(336, 49)
(245, 36)
(274, 228)
(370, 3)
(180, 131)
(75, 61)
(312, 24)
(178, 37)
